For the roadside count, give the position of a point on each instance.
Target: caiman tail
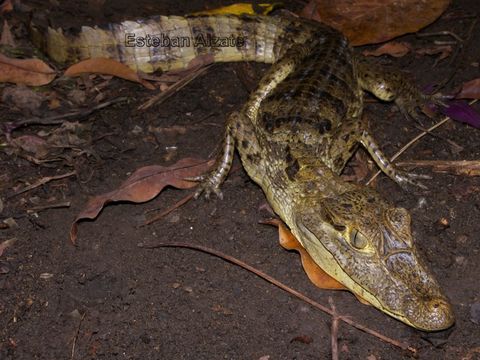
(171, 42)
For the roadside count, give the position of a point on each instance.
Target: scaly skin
(294, 136)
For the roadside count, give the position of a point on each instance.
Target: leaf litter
(143, 185)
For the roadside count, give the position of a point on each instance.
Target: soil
(109, 299)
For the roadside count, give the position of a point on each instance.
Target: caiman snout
(430, 315)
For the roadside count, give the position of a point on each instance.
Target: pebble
(475, 313)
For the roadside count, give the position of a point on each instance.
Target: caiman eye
(358, 240)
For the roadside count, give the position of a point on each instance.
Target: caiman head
(366, 244)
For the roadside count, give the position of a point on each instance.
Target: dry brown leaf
(470, 90)
(33, 72)
(444, 51)
(143, 185)
(375, 21)
(314, 272)
(392, 48)
(32, 144)
(24, 99)
(107, 66)
(72, 136)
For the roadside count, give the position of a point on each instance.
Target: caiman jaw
(375, 258)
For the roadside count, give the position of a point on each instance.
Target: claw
(206, 187)
(411, 103)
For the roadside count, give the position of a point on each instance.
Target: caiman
(294, 136)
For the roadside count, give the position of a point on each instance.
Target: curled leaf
(470, 90)
(109, 67)
(143, 185)
(32, 72)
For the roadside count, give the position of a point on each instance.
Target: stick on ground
(268, 278)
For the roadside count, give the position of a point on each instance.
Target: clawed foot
(406, 179)
(207, 185)
(413, 105)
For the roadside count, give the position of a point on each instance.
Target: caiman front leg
(393, 85)
(212, 181)
(402, 178)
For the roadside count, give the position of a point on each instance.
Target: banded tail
(171, 42)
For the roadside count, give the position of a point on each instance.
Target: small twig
(414, 140)
(76, 336)
(334, 330)
(457, 167)
(162, 96)
(49, 206)
(282, 286)
(41, 182)
(57, 119)
(170, 209)
(441, 33)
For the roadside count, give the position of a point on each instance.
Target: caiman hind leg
(393, 85)
(211, 181)
(241, 134)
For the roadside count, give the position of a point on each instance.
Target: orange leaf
(143, 185)
(314, 272)
(33, 72)
(392, 48)
(375, 21)
(470, 90)
(107, 66)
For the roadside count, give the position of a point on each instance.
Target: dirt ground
(109, 299)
